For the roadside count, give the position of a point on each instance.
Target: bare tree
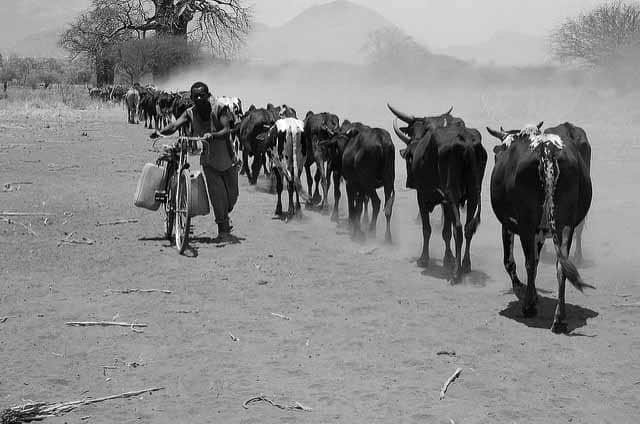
(597, 36)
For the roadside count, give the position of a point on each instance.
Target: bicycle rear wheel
(183, 196)
(170, 207)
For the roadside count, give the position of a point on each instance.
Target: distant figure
(4, 86)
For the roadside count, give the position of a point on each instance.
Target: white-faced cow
(445, 164)
(540, 188)
(284, 146)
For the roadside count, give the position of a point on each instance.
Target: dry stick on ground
(103, 324)
(84, 240)
(281, 316)
(119, 221)
(37, 411)
(234, 338)
(446, 384)
(127, 291)
(26, 227)
(5, 213)
(262, 398)
(4, 319)
(637, 304)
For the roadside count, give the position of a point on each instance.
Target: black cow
(445, 164)
(367, 163)
(148, 112)
(164, 104)
(181, 102)
(252, 133)
(317, 128)
(540, 188)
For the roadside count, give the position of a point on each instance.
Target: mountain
(335, 31)
(504, 48)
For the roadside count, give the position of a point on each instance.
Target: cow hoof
(529, 311)
(559, 327)
(466, 266)
(387, 239)
(423, 262)
(242, 172)
(448, 261)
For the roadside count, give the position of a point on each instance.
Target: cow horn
(540, 125)
(402, 136)
(449, 111)
(409, 119)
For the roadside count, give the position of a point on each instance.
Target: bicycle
(176, 195)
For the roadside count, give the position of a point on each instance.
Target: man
(217, 158)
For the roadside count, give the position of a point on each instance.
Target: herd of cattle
(540, 183)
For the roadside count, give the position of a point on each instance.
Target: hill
(335, 31)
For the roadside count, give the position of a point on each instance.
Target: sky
(436, 23)
(443, 23)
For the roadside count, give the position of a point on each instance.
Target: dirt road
(366, 324)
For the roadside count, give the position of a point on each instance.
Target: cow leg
(510, 263)
(316, 194)
(559, 318)
(375, 210)
(457, 235)
(389, 198)
(307, 170)
(245, 164)
(255, 168)
(358, 233)
(264, 166)
(469, 230)
(577, 255)
(529, 247)
(279, 187)
(336, 196)
(423, 261)
(448, 260)
(292, 209)
(325, 186)
(365, 211)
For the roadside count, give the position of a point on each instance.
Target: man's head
(200, 96)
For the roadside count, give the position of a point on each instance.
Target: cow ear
(403, 153)
(352, 132)
(540, 125)
(499, 148)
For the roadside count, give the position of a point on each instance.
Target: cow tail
(296, 139)
(477, 186)
(550, 172)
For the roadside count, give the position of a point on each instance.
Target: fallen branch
(26, 227)
(262, 398)
(446, 384)
(234, 338)
(68, 240)
(4, 319)
(446, 352)
(621, 305)
(7, 213)
(117, 222)
(127, 291)
(103, 324)
(186, 311)
(37, 411)
(281, 316)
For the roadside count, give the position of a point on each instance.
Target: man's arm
(172, 127)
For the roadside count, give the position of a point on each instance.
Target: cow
(132, 100)
(317, 128)
(163, 105)
(367, 162)
(578, 137)
(284, 146)
(252, 133)
(95, 93)
(148, 111)
(118, 94)
(445, 164)
(235, 106)
(444, 120)
(540, 188)
(181, 102)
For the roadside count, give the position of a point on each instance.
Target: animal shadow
(475, 278)
(577, 316)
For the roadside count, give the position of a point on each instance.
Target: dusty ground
(366, 324)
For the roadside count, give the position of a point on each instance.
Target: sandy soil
(366, 324)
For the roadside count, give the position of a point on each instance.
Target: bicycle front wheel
(170, 207)
(183, 197)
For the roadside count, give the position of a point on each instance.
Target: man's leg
(218, 197)
(231, 179)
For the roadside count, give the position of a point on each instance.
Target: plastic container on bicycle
(199, 204)
(153, 179)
